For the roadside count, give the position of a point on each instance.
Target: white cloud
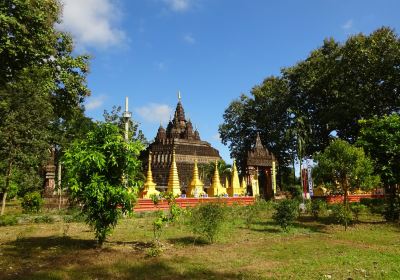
(188, 38)
(348, 24)
(179, 5)
(95, 102)
(216, 137)
(154, 113)
(92, 23)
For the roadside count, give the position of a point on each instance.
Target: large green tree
(380, 138)
(103, 175)
(343, 167)
(42, 86)
(321, 97)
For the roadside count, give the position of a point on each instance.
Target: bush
(286, 213)
(8, 221)
(341, 215)
(32, 202)
(375, 205)
(357, 209)
(44, 219)
(392, 209)
(318, 208)
(207, 220)
(255, 211)
(296, 192)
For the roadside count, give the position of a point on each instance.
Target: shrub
(8, 221)
(286, 213)
(318, 208)
(207, 220)
(357, 209)
(32, 202)
(375, 205)
(296, 192)
(44, 219)
(392, 209)
(341, 215)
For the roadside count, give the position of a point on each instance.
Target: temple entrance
(260, 166)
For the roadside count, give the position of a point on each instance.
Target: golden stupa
(173, 178)
(149, 188)
(195, 188)
(243, 187)
(216, 189)
(234, 188)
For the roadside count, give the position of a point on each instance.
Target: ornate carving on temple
(260, 166)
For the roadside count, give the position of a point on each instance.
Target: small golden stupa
(173, 178)
(234, 188)
(226, 182)
(149, 186)
(195, 188)
(216, 189)
(243, 187)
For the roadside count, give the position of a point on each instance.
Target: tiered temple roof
(181, 137)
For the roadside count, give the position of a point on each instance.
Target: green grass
(310, 250)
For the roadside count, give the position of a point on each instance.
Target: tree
(115, 117)
(42, 87)
(344, 167)
(380, 138)
(102, 175)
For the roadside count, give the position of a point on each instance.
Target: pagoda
(179, 136)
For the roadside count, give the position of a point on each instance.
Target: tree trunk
(59, 185)
(8, 175)
(346, 207)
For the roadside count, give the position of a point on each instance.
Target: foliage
(341, 214)
(42, 88)
(318, 208)
(357, 209)
(286, 212)
(8, 220)
(207, 220)
(115, 117)
(374, 205)
(295, 191)
(44, 219)
(380, 138)
(206, 171)
(392, 209)
(326, 94)
(32, 202)
(102, 175)
(344, 167)
(253, 212)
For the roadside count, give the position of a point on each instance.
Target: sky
(210, 50)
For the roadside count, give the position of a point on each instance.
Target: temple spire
(179, 95)
(196, 185)
(234, 188)
(173, 178)
(216, 188)
(149, 186)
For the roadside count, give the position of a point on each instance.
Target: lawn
(312, 249)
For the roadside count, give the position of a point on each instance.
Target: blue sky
(210, 50)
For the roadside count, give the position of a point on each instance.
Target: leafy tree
(299, 112)
(380, 138)
(42, 87)
(207, 171)
(344, 167)
(115, 117)
(102, 175)
(286, 213)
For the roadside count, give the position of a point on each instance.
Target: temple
(181, 139)
(261, 170)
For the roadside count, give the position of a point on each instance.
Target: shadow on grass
(145, 270)
(188, 240)
(303, 222)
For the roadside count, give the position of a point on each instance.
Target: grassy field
(311, 250)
